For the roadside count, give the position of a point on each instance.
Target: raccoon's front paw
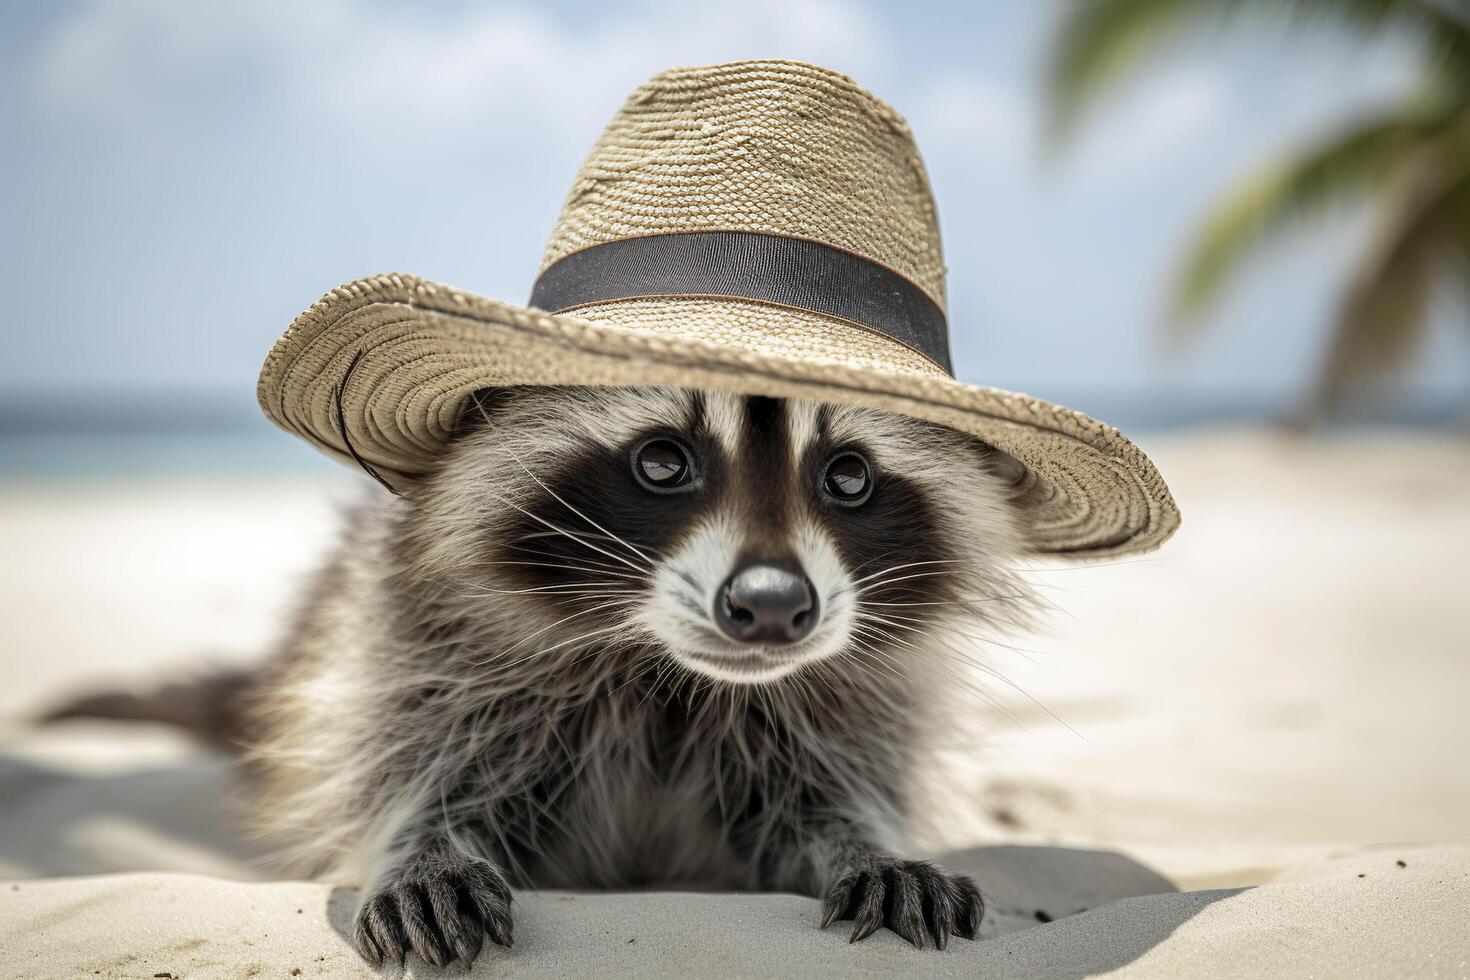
(909, 897)
(441, 909)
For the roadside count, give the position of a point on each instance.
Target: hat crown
(774, 147)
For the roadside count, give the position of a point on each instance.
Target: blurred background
(185, 178)
(1237, 231)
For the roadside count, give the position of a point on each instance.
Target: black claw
(500, 932)
(418, 922)
(469, 948)
(460, 927)
(499, 927)
(905, 907)
(367, 948)
(378, 933)
(912, 898)
(971, 908)
(869, 914)
(839, 898)
(939, 908)
(441, 913)
(490, 896)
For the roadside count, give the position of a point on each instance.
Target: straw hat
(762, 227)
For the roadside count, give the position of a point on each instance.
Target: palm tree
(1411, 163)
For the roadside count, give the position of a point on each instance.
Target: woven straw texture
(779, 330)
(771, 147)
(765, 146)
(426, 348)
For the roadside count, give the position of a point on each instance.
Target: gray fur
(434, 730)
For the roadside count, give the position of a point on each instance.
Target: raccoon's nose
(766, 603)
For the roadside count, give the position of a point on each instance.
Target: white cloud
(109, 56)
(341, 60)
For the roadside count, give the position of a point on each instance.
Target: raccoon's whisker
(636, 663)
(588, 535)
(1090, 565)
(570, 595)
(568, 534)
(803, 674)
(578, 565)
(877, 633)
(870, 561)
(861, 646)
(828, 670)
(580, 535)
(1027, 596)
(891, 621)
(988, 640)
(658, 679)
(983, 639)
(566, 619)
(866, 638)
(562, 591)
(984, 667)
(599, 568)
(637, 671)
(827, 674)
(912, 564)
(1051, 586)
(884, 660)
(886, 617)
(992, 672)
(887, 659)
(687, 691)
(885, 582)
(570, 588)
(558, 497)
(971, 684)
(563, 643)
(967, 681)
(798, 682)
(564, 598)
(963, 601)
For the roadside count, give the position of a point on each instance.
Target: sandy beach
(1241, 756)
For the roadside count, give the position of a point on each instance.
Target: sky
(182, 178)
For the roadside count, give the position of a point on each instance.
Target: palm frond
(1100, 41)
(1383, 315)
(1456, 231)
(1357, 162)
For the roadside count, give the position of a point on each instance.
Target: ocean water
(140, 452)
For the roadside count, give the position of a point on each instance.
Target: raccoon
(629, 637)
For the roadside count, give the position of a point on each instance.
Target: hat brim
(418, 350)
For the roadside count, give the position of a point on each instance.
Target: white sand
(1255, 708)
(1321, 920)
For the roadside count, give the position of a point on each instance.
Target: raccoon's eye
(848, 481)
(662, 465)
